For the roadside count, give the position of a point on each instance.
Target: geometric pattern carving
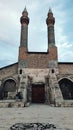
(9, 86)
(53, 64)
(22, 63)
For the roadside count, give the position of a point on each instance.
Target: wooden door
(38, 93)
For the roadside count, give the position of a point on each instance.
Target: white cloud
(65, 45)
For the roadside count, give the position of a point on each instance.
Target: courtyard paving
(61, 117)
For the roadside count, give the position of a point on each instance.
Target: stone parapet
(64, 103)
(11, 103)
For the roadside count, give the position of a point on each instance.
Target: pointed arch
(9, 85)
(66, 86)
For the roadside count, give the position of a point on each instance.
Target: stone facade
(9, 71)
(38, 76)
(65, 68)
(9, 75)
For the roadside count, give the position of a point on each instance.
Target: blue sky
(10, 13)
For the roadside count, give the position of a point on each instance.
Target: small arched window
(20, 71)
(52, 70)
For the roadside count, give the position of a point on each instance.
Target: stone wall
(41, 59)
(9, 71)
(65, 71)
(9, 74)
(36, 59)
(65, 68)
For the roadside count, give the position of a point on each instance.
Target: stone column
(47, 90)
(23, 87)
(24, 93)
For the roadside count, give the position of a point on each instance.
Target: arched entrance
(38, 93)
(66, 87)
(9, 85)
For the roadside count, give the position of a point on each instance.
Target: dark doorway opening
(66, 87)
(38, 93)
(8, 86)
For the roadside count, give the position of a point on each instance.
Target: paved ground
(59, 116)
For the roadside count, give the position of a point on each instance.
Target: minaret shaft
(50, 27)
(24, 35)
(24, 20)
(51, 36)
(24, 28)
(52, 49)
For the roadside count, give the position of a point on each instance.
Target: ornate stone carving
(53, 64)
(22, 63)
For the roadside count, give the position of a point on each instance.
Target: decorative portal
(38, 93)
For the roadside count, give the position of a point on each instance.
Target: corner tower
(24, 20)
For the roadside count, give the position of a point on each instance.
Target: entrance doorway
(38, 93)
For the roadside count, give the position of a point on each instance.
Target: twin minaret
(23, 49)
(24, 28)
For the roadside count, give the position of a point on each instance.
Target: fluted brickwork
(53, 53)
(22, 53)
(50, 21)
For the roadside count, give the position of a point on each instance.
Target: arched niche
(66, 86)
(8, 87)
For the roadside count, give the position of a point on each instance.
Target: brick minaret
(24, 20)
(50, 24)
(52, 49)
